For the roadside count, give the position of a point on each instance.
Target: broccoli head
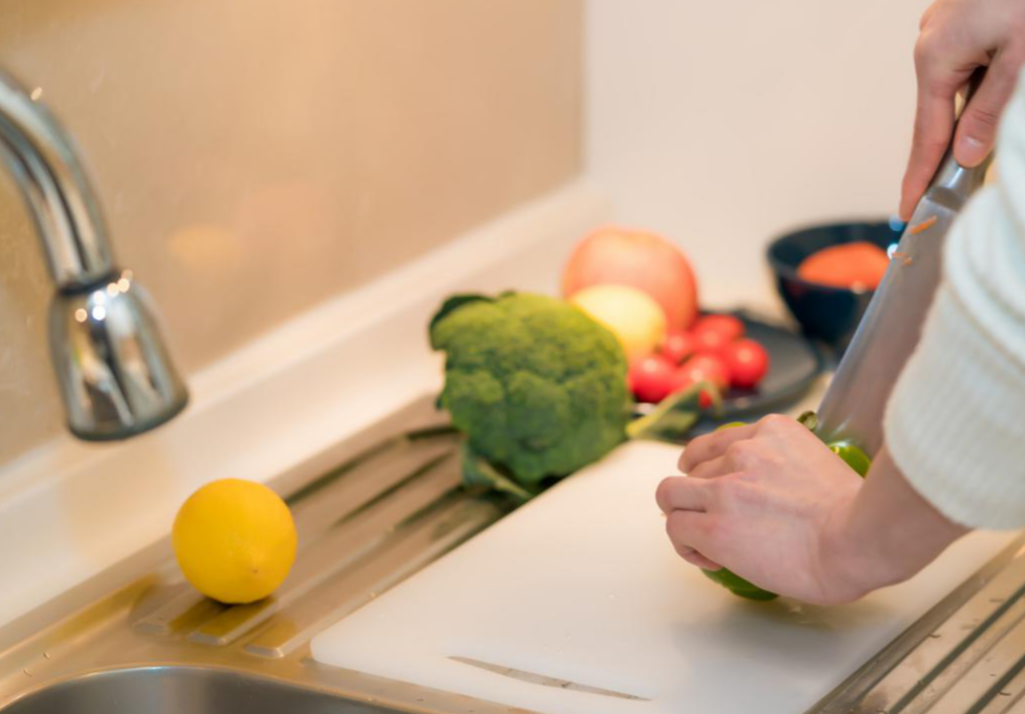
(538, 387)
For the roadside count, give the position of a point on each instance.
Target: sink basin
(182, 690)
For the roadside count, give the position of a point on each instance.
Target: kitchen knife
(852, 408)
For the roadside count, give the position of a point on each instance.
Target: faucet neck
(66, 213)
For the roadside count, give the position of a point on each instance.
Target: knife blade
(852, 408)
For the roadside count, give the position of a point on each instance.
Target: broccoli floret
(538, 387)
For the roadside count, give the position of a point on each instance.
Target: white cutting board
(582, 585)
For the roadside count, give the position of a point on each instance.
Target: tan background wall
(255, 157)
(724, 124)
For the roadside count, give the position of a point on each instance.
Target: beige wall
(723, 124)
(257, 156)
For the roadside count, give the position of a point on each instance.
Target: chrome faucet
(116, 377)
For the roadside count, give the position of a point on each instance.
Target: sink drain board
(967, 656)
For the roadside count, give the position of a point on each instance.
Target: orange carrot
(858, 266)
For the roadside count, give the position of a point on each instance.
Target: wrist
(882, 535)
(848, 571)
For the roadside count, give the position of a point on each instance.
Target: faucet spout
(59, 196)
(116, 376)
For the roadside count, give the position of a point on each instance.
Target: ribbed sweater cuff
(955, 424)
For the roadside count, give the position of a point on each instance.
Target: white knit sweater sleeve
(955, 424)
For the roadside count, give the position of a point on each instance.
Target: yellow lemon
(235, 540)
(631, 314)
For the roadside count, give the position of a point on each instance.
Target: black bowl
(828, 313)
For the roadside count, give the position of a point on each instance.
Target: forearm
(887, 533)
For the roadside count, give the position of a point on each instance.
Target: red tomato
(731, 327)
(747, 362)
(683, 381)
(709, 341)
(701, 368)
(651, 378)
(678, 346)
(710, 367)
(713, 332)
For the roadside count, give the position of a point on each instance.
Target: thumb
(977, 128)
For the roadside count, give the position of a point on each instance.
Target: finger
(683, 494)
(713, 468)
(712, 445)
(942, 66)
(695, 558)
(934, 124)
(689, 529)
(977, 128)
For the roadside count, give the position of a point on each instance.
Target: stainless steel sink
(370, 513)
(175, 689)
(138, 638)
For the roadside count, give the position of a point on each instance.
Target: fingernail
(970, 151)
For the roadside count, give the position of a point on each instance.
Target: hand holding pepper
(778, 507)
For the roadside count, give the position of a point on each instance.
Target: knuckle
(722, 488)
(741, 454)
(775, 423)
(923, 51)
(984, 118)
(663, 492)
(735, 452)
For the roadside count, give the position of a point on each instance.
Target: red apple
(642, 260)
